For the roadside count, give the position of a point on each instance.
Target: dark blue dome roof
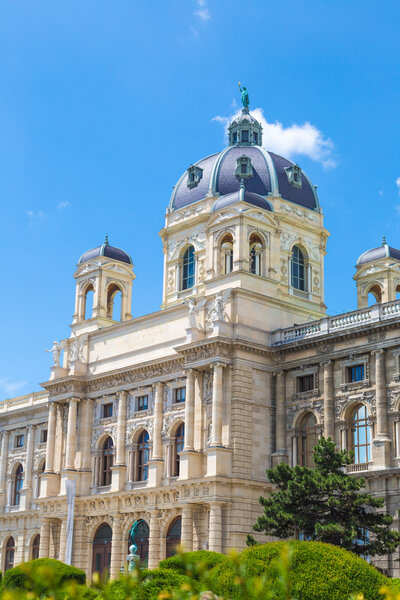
(270, 177)
(382, 251)
(241, 196)
(106, 250)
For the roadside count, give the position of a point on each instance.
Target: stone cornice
(203, 352)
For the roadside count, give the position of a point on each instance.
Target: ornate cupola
(245, 130)
(378, 275)
(102, 274)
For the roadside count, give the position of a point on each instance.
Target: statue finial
(383, 240)
(245, 97)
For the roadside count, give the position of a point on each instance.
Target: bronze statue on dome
(245, 97)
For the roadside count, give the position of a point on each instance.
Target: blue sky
(103, 104)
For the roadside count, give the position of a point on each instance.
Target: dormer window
(194, 175)
(294, 175)
(235, 137)
(255, 137)
(244, 169)
(245, 136)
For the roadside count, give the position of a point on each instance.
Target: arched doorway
(102, 549)
(141, 539)
(173, 536)
(36, 546)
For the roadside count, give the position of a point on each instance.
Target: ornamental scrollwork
(169, 420)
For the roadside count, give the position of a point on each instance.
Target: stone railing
(24, 401)
(358, 467)
(353, 319)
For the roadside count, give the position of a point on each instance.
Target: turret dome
(381, 251)
(106, 250)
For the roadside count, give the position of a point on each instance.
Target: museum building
(168, 421)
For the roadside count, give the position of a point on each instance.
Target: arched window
(360, 435)
(227, 254)
(398, 292)
(114, 301)
(143, 456)
(188, 268)
(35, 547)
(298, 269)
(179, 443)
(88, 303)
(102, 549)
(256, 249)
(17, 485)
(107, 462)
(173, 536)
(374, 295)
(9, 555)
(141, 540)
(307, 439)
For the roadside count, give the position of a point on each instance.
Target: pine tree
(326, 504)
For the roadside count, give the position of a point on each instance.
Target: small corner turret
(103, 274)
(378, 275)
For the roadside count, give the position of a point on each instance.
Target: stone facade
(221, 358)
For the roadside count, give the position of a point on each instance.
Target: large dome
(267, 173)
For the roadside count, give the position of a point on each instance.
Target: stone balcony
(330, 325)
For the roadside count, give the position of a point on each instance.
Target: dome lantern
(245, 130)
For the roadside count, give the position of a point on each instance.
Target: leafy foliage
(40, 575)
(317, 571)
(202, 559)
(326, 504)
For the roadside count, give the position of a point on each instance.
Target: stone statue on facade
(194, 308)
(133, 558)
(245, 97)
(76, 350)
(56, 350)
(217, 310)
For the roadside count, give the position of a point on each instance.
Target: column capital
(73, 400)
(326, 363)
(378, 351)
(122, 394)
(218, 364)
(281, 373)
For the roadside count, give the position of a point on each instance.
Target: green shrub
(201, 559)
(317, 571)
(41, 575)
(155, 581)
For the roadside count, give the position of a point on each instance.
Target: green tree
(326, 504)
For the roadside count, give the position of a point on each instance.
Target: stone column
(154, 541)
(381, 400)
(71, 434)
(121, 427)
(189, 410)
(397, 434)
(157, 423)
(116, 548)
(44, 538)
(294, 451)
(187, 528)
(280, 399)
(329, 413)
(381, 454)
(216, 427)
(215, 529)
(51, 438)
(3, 461)
(29, 458)
(63, 539)
(198, 411)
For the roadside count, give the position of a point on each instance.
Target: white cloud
(39, 214)
(202, 11)
(10, 387)
(63, 204)
(398, 184)
(291, 141)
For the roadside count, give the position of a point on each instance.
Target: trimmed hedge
(317, 571)
(156, 581)
(48, 569)
(203, 558)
